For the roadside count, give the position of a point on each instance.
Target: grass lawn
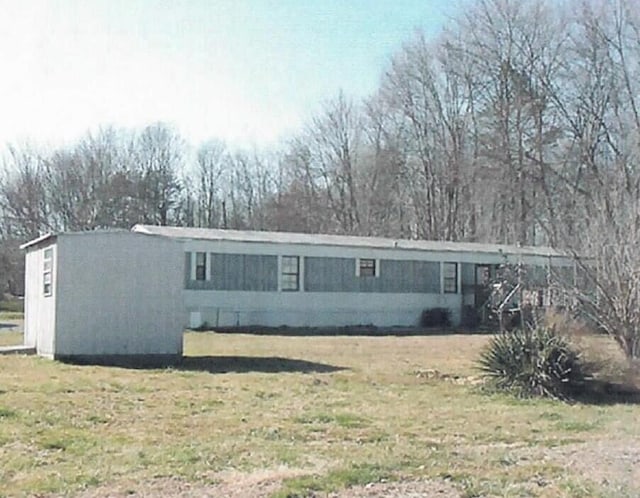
(292, 416)
(11, 328)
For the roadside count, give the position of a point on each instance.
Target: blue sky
(246, 71)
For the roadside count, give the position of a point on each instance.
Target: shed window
(47, 272)
(201, 266)
(290, 273)
(450, 281)
(367, 267)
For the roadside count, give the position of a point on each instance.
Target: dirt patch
(613, 464)
(404, 489)
(230, 484)
(609, 463)
(262, 484)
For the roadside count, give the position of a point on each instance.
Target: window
(450, 280)
(290, 273)
(367, 267)
(47, 273)
(201, 266)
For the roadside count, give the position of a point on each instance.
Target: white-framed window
(201, 266)
(367, 267)
(47, 272)
(290, 273)
(450, 278)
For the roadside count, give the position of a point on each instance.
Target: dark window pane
(201, 266)
(450, 274)
(367, 267)
(47, 283)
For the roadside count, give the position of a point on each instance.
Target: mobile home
(243, 278)
(119, 294)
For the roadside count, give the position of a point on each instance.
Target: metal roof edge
(269, 237)
(52, 235)
(38, 240)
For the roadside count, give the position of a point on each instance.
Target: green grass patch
(7, 413)
(345, 420)
(337, 479)
(11, 315)
(579, 426)
(15, 306)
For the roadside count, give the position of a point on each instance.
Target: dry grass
(318, 413)
(10, 338)
(10, 328)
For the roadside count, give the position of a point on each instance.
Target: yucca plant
(533, 362)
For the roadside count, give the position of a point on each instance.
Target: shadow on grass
(8, 326)
(246, 364)
(603, 392)
(356, 331)
(211, 364)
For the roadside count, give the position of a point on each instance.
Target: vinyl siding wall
(330, 292)
(242, 289)
(235, 272)
(339, 275)
(249, 272)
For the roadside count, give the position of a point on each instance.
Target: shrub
(436, 317)
(470, 318)
(533, 362)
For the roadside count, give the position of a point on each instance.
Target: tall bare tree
(159, 152)
(213, 163)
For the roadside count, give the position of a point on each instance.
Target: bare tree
(333, 141)
(601, 175)
(23, 195)
(159, 152)
(213, 159)
(300, 203)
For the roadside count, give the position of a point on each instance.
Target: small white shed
(104, 297)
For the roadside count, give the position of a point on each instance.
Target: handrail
(508, 298)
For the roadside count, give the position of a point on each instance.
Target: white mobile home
(104, 296)
(243, 278)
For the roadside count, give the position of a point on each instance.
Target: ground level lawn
(279, 416)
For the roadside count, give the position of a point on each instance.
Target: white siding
(40, 310)
(119, 294)
(316, 309)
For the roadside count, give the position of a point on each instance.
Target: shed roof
(52, 236)
(340, 240)
(38, 240)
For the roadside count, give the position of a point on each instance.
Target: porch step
(18, 349)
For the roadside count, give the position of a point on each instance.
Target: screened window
(450, 274)
(367, 267)
(47, 273)
(201, 266)
(290, 273)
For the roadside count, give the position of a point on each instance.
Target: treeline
(518, 124)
